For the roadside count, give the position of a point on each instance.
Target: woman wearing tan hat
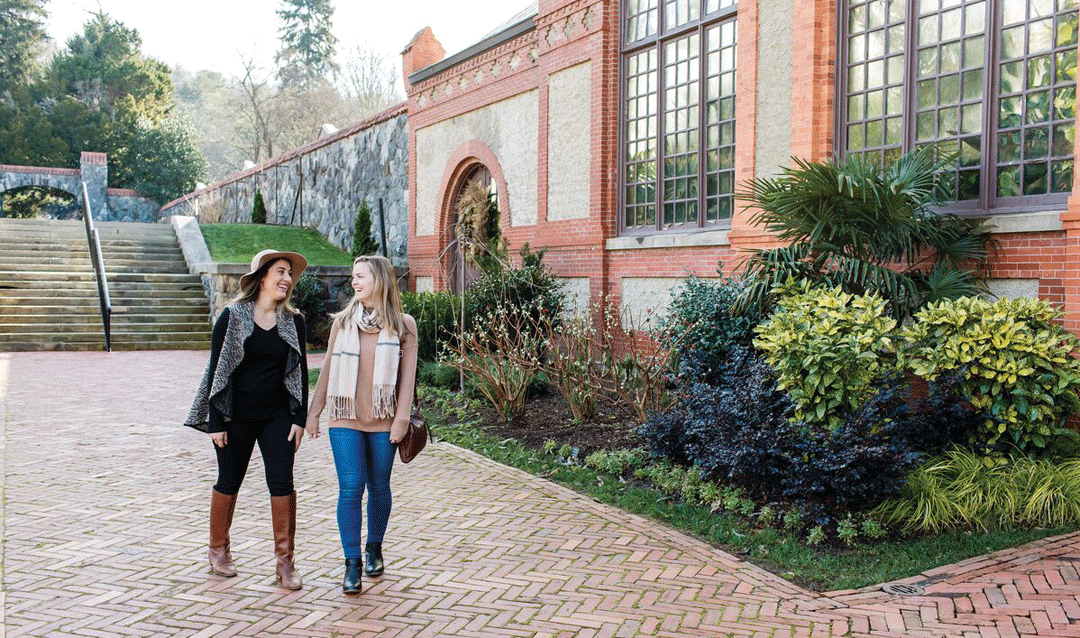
(255, 390)
(368, 383)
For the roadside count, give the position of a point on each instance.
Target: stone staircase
(49, 298)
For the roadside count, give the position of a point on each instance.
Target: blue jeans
(362, 459)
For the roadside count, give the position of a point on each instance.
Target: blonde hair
(386, 299)
(250, 290)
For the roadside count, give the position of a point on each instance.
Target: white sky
(207, 34)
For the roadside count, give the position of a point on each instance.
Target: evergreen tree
(362, 242)
(105, 69)
(307, 42)
(22, 36)
(258, 210)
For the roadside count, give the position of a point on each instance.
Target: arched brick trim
(461, 162)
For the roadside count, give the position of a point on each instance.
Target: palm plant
(853, 224)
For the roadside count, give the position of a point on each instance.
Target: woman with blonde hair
(368, 379)
(255, 390)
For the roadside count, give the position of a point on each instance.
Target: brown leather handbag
(416, 436)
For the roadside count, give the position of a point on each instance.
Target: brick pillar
(422, 51)
(1070, 219)
(95, 173)
(813, 79)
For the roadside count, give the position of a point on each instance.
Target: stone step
(96, 333)
(118, 318)
(63, 224)
(128, 266)
(37, 342)
(34, 243)
(196, 295)
(9, 302)
(116, 290)
(14, 277)
(90, 307)
(125, 327)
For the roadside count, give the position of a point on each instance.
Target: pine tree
(22, 32)
(258, 210)
(363, 243)
(307, 41)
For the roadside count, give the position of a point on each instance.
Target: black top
(259, 380)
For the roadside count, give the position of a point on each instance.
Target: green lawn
(237, 243)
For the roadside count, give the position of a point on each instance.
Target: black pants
(277, 453)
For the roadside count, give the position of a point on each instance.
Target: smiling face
(277, 284)
(363, 283)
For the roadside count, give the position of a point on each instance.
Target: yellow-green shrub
(829, 348)
(1018, 364)
(964, 490)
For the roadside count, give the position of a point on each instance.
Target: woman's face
(363, 283)
(277, 281)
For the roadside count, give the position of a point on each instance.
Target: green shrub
(312, 298)
(438, 375)
(1020, 367)
(362, 242)
(526, 290)
(701, 328)
(436, 319)
(853, 223)
(829, 348)
(617, 462)
(258, 209)
(964, 490)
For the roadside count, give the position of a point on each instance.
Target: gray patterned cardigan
(226, 353)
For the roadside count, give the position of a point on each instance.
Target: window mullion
(703, 107)
(990, 117)
(912, 63)
(661, 117)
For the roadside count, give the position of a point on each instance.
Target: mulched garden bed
(547, 417)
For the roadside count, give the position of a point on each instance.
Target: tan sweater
(406, 384)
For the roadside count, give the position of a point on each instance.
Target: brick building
(614, 133)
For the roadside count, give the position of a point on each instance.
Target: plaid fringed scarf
(345, 366)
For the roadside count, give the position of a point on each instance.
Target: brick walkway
(105, 498)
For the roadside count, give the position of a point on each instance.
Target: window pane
(680, 12)
(640, 155)
(681, 70)
(640, 20)
(719, 199)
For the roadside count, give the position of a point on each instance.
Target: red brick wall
(577, 247)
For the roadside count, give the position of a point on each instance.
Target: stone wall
(128, 206)
(322, 185)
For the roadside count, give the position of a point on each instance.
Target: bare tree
(258, 95)
(369, 79)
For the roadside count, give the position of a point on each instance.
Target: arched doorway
(38, 202)
(472, 177)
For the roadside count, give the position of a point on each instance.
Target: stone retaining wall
(322, 185)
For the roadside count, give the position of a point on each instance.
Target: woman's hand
(220, 439)
(312, 427)
(398, 430)
(296, 435)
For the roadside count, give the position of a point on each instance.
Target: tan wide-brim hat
(263, 257)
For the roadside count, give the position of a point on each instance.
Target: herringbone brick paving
(105, 500)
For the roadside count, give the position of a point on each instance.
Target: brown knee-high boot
(283, 511)
(221, 513)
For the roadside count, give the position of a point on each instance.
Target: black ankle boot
(350, 585)
(373, 566)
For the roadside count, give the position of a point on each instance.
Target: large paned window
(678, 99)
(991, 81)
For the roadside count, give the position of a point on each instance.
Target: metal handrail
(94, 245)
